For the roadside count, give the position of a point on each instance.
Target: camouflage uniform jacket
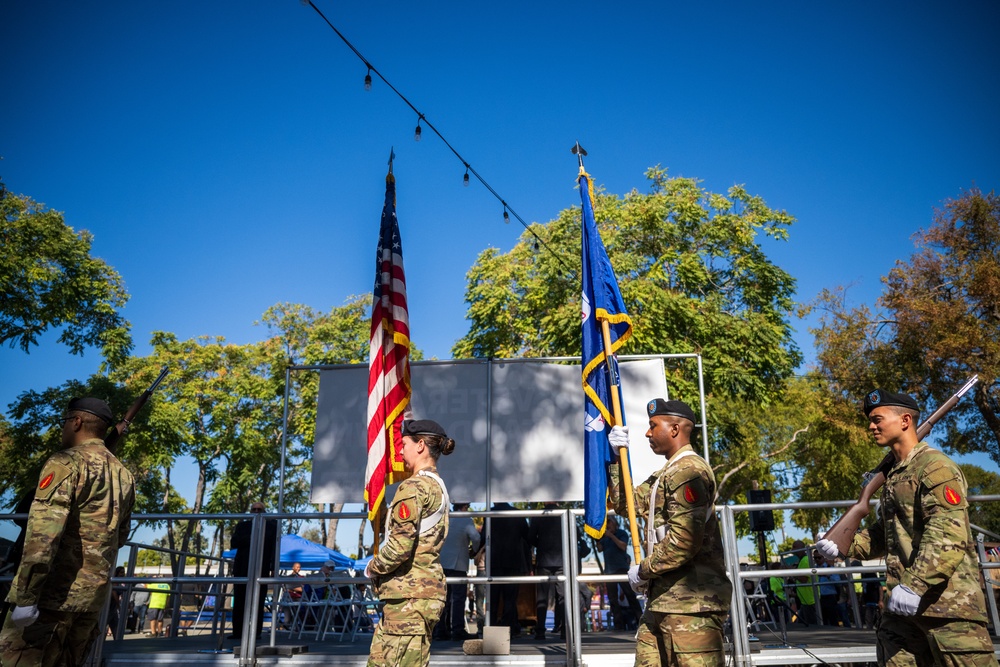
(79, 518)
(686, 568)
(922, 530)
(408, 564)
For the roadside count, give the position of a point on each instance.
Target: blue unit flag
(602, 301)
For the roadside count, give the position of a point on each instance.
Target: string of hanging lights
(418, 132)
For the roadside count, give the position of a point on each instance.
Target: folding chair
(310, 610)
(365, 610)
(336, 610)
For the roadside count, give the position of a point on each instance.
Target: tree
(35, 432)
(303, 336)
(694, 278)
(983, 483)
(48, 279)
(936, 323)
(691, 270)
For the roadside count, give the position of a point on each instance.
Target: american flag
(388, 360)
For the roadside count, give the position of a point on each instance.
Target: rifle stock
(111, 439)
(844, 530)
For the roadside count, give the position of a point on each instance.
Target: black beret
(658, 406)
(879, 397)
(94, 406)
(423, 427)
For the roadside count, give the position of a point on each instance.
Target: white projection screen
(520, 422)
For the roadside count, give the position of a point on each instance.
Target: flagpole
(616, 408)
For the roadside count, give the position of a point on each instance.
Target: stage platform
(805, 646)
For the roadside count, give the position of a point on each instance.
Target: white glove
(637, 583)
(22, 617)
(618, 437)
(828, 549)
(903, 601)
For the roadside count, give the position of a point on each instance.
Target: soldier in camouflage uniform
(936, 613)
(684, 573)
(77, 521)
(407, 572)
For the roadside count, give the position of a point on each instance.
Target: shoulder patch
(53, 475)
(404, 511)
(690, 494)
(951, 496)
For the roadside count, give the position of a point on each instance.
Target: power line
(422, 121)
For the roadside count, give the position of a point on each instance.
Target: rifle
(111, 439)
(843, 531)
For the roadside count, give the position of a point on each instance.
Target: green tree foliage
(35, 432)
(221, 405)
(691, 270)
(983, 483)
(49, 280)
(694, 278)
(936, 324)
(302, 336)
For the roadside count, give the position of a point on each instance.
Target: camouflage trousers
(679, 640)
(404, 636)
(908, 641)
(57, 638)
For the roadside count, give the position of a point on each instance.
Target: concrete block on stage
(496, 640)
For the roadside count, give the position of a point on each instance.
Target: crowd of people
(931, 610)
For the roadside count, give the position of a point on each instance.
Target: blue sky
(226, 156)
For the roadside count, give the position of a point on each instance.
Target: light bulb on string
(416, 132)
(536, 246)
(465, 179)
(506, 217)
(368, 79)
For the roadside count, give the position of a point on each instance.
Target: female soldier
(407, 573)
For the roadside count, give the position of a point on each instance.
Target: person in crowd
(462, 539)
(873, 601)
(829, 592)
(139, 603)
(158, 597)
(79, 517)
(406, 573)
(479, 590)
(115, 603)
(545, 536)
(776, 596)
(805, 594)
(510, 556)
(614, 545)
(936, 612)
(684, 573)
(241, 541)
(294, 595)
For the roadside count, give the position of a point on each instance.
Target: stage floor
(600, 649)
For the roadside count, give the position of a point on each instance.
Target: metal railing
(738, 612)
(570, 578)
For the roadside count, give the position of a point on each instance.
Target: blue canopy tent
(296, 549)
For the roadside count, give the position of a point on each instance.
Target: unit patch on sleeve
(690, 494)
(952, 496)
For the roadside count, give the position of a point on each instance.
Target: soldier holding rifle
(684, 572)
(936, 613)
(78, 520)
